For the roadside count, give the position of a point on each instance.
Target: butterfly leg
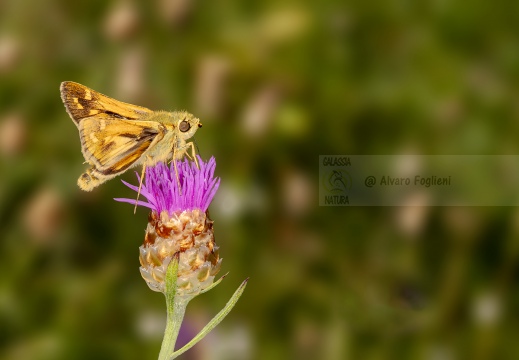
(193, 153)
(176, 170)
(140, 186)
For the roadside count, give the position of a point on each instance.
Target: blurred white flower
(211, 74)
(228, 201)
(122, 21)
(258, 112)
(10, 51)
(150, 325)
(228, 343)
(411, 216)
(487, 308)
(13, 134)
(175, 11)
(44, 214)
(130, 75)
(298, 191)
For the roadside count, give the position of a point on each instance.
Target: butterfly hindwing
(113, 145)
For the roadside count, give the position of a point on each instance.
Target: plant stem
(175, 317)
(176, 308)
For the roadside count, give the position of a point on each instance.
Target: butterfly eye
(184, 126)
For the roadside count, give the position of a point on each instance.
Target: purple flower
(160, 186)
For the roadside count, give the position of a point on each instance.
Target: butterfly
(116, 136)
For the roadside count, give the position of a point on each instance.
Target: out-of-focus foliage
(276, 84)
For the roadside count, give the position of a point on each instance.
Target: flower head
(178, 225)
(160, 186)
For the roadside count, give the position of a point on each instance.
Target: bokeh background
(276, 84)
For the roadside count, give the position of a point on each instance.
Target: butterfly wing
(113, 134)
(114, 145)
(82, 102)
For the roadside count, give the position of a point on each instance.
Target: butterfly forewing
(82, 102)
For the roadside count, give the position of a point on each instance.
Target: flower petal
(161, 186)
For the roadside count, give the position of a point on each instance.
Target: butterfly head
(187, 125)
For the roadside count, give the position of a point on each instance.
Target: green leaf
(215, 321)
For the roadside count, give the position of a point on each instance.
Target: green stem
(176, 308)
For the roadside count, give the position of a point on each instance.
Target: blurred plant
(179, 256)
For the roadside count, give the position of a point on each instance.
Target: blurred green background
(276, 84)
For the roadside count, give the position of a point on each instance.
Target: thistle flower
(179, 256)
(178, 224)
